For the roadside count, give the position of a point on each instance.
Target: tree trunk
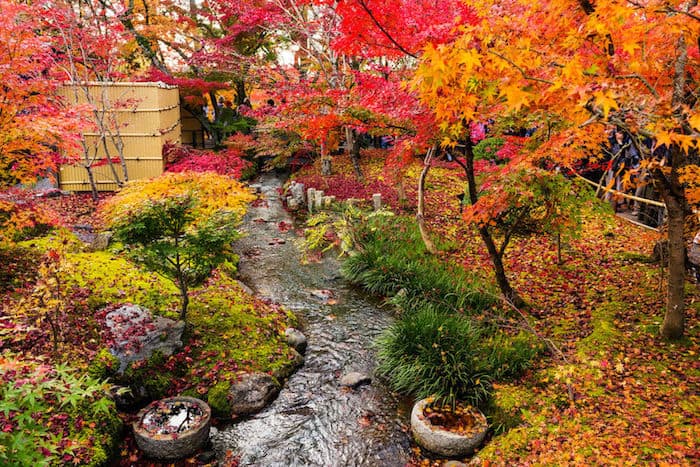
(672, 327)
(93, 185)
(674, 196)
(215, 132)
(496, 258)
(352, 146)
(425, 235)
(241, 95)
(112, 169)
(326, 165)
(499, 271)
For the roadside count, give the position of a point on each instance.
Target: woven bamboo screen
(143, 116)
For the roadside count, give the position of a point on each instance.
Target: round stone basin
(172, 428)
(442, 441)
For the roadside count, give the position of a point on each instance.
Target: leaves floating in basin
(448, 431)
(172, 428)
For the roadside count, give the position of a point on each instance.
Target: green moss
(510, 445)
(506, 407)
(240, 327)
(60, 240)
(112, 279)
(218, 399)
(604, 332)
(149, 377)
(104, 365)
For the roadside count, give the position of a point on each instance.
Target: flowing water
(314, 421)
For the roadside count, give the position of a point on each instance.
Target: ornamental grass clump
(430, 353)
(391, 258)
(450, 357)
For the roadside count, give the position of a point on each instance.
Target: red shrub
(180, 158)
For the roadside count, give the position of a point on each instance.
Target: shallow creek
(314, 421)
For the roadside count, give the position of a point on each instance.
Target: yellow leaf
(663, 138)
(606, 101)
(470, 58)
(630, 47)
(516, 97)
(694, 121)
(686, 142)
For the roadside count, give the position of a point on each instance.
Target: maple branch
(522, 72)
(384, 31)
(642, 79)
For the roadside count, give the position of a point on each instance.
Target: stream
(315, 421)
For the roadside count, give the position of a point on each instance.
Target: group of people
(623, 171)
(623, 182)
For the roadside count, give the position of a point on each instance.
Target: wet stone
(354, 379)
(252, 393)
(296, 339)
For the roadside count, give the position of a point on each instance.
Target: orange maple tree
(36, 132)
(575, 69)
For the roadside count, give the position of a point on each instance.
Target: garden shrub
(180, 225)
(429, 352)
(214, 193)
(51, 416)
(487, 149)
(391, 257)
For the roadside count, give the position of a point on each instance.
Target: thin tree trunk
(496, 257)
(185, 299)
(241, 95)
(326, 165)
(674, 197)
(112, 169)
(93, 185)
(352, 146)
(425, 235)
(673, 325)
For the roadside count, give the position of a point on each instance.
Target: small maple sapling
(180, 224)
(164, 237)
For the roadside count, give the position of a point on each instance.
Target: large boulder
(136, 334)
(252, 392)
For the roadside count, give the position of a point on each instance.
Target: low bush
(449, 356)
(429, 353)
(391, 258)
(51, 416)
